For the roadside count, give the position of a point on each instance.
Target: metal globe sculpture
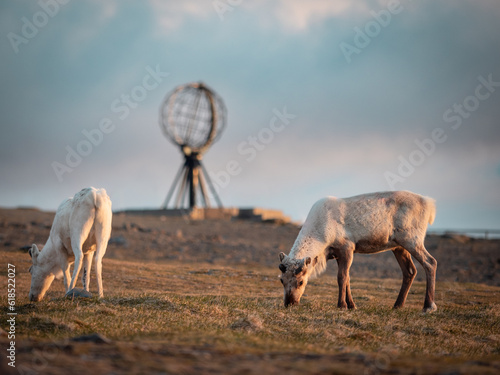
(193, 117)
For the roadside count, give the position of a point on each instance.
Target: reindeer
(366, 224)
(82, 226)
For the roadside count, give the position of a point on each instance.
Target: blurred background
(377, 95)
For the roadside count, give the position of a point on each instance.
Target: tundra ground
(204, 297)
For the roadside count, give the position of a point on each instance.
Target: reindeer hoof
(430, 309)
(78, 293)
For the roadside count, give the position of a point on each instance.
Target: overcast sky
(371, 96)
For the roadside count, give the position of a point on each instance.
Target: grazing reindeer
(82, 226)
(366, 224)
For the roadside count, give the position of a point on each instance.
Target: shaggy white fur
(370, 221)
(82, 226)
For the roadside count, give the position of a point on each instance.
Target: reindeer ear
(282, 256)
(34, 252)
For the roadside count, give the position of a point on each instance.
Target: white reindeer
(366, 224)
(82, 226)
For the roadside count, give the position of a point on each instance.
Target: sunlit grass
(241, 310)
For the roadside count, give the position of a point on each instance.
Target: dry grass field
(204, 298)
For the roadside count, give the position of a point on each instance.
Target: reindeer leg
(102, 233)
(344, 261)
(430, 265)
(98, 270)
(87, 265)
(80, 231)
(409, 272)
(77, 267)
(66, 275)
(350, 302)
(341, 276)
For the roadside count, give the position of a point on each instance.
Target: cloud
(299, 15)
(109, 9)
(172, 14)
(83, 33)
(292, 15)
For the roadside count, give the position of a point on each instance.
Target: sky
(324, 98)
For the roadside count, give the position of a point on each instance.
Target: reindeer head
(294, 277)
(40, 278)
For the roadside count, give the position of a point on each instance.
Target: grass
(237, 310)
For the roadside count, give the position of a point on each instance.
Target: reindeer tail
(431, 208)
